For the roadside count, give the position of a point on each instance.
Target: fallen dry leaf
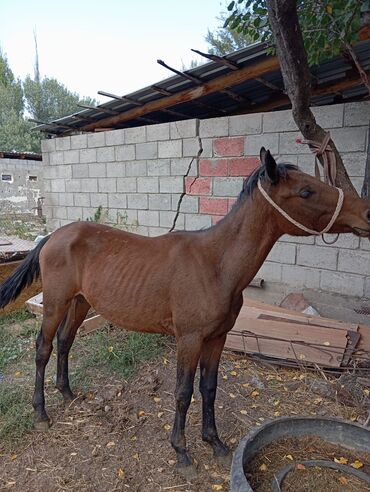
(255, 393)
(216, 486)
(300, 466)
(167, 427)
(244, 412)
(263, 467)
(233, 373)
(159, 414)
(343, 480)
(357, 464)
(225, 377)
(341, 460)
(111, 444)
(156, 399)
(232, 395)
(140, 413)
(121, 473)
(289, 456)
(13, 456)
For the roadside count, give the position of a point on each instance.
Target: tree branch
(292, 55)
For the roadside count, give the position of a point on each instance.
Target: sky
(109, 45)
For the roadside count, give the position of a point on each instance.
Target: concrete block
(60, 212)
(171, 148)
(167, 218)
(365, 244)
(367, 287)
(148, 218)
(190, 147)
(73, 185)
(116, 169)
(135, 135)
(159, 202)
(253, 143)
(80, 171)
(87, 155)
(58, 186)
(306, 163)
(56, 158)
(63, 143)
(125, 153)
(47, 185)
(81, 200)
(179, 167)
(357, 183)
(126, 185)
(63, 171)
(283, 253)
(354, 163)
(214, 127)
(71, 157)
(115, 137)
(300, 277)
(278, 121)
(156, 231)
(350, 139)
(99, 200)
(171, 184)
(105, 154)
(342, 283)
(357, 113)
(158, 132)
(246, 124)
(329, 116)
(189, 204)
(184, 129)
(147, 150)
(136, 168)
(317, 257)
(147, 185)
(137, 201)
(207, 146)
(74, 213)
(159, 167)
(107, 185)
(97, 170)
(195, 222)
(347, 241)
(96, 139)
(48, 145)
(79, 141)
(53, 224)
(66, 199)
(89, 185)
(354, 261)
(288, 144)
(227, 186)
(117, 200)
(271, 272)
(88, 213)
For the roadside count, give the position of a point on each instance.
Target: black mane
(251, 181)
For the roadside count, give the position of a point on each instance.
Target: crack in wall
(183, 194)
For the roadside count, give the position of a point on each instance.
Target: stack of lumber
(280, 333)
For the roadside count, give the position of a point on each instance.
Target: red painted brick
(228, 147)
(214, 167)
(198, 186)
(243, 166)
(231, 203)
(213, 206)
(216, 218)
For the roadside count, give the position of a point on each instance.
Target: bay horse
(187, 284)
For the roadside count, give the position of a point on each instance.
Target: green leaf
(231, 6)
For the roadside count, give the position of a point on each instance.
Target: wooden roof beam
(223, 82)
(185, 75)
(120, 98)
(98, 108)
(268, 84)
(219, 59)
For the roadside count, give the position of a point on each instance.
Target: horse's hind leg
(66, 334)
(209, 362)
(51, 320)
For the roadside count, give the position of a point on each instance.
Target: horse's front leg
(188, 352)
(209, 362)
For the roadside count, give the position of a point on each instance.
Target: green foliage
(225, 40)
(10, 343)
(327, 25)
(15, 411)
(118, 351)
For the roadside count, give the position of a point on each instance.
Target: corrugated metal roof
(257, 94)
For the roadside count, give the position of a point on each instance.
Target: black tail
(23, 276)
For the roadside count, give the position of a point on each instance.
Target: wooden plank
(215, 85)
(91, 324)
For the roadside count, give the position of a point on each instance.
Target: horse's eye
(305, 193)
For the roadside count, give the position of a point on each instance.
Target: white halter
(297, 224)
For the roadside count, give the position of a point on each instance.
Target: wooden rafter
(210, 87)
(219, 59)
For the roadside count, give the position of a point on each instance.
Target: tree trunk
(290, 49)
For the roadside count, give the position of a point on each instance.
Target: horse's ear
(270, 164)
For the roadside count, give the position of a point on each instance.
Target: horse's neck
(244, 238)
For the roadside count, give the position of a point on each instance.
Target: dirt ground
(117, 437)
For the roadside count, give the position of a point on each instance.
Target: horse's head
(309, 202)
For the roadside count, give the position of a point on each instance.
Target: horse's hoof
(42, 425)
(188, 472)
(224, 460)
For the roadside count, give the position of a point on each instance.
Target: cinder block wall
(137, 176)
(20, 193)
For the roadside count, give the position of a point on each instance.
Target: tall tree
(224, 40)
(329, 27)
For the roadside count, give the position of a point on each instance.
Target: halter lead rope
(337, 210)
